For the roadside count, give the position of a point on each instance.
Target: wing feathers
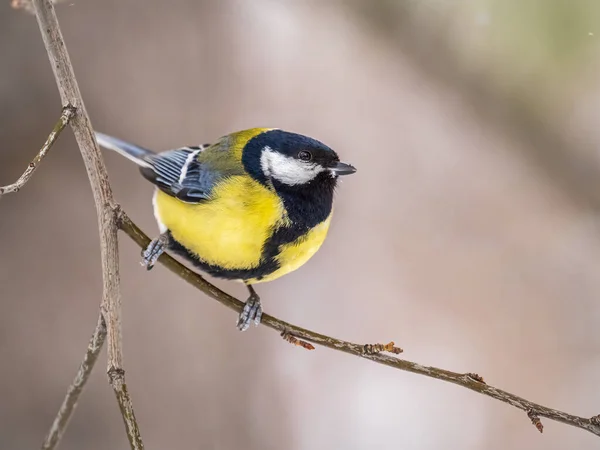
(176, 172)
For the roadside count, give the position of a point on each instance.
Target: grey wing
(179, 174)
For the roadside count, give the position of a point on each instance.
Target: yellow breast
(231, 228)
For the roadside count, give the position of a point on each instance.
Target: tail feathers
(130, 151)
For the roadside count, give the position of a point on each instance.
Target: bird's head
(289, 159)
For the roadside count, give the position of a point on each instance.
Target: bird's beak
(342, 169)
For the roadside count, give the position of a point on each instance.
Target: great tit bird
(253, 206)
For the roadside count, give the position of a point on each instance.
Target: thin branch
(67, 113)
(74, 392)
(467, 380)
(111, 217)
(105, 207)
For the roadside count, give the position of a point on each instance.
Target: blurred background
(470, 235)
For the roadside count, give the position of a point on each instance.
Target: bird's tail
(135, 153)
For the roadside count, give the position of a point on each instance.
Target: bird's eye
(304, 155)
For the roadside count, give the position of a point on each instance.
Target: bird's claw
(155, 248)
(252, 312)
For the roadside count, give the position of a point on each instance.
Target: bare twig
(105, 207)
(111, 217)
(67, 112)
(469, 380)
(73, 393)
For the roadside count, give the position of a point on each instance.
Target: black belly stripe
(269, 264)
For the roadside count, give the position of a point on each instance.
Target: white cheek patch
(288, 170)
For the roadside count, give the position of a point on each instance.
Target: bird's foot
(154, 250)
(252, 312)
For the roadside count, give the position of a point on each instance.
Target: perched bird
(253, 206)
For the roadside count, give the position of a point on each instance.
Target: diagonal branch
(74, 392)
(105, 207)
(467, 380)
(111, 217)
(67, 113)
